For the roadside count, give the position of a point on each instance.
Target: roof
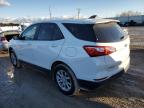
(82, 21)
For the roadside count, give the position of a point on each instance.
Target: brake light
(94, 51)
(3, 39)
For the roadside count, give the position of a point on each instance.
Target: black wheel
(65, 80)
(14, 59)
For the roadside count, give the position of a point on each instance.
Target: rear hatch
(107, 37)
(111, 34)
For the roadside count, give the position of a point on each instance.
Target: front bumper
(83, 84)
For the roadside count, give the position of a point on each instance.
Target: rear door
(48, 45)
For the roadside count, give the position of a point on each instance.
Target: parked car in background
(3, 42)
(7, 31)
(79, 53)
(5, 37)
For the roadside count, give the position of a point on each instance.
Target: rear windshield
(106, 32)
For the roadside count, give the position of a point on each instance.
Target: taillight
(3, 39)
(94, 51)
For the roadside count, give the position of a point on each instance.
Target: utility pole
(78, 11)
(50, 13)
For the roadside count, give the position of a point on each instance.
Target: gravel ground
(29, 88)
(136, 31)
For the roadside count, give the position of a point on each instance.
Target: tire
(14, 60)
(65, 80)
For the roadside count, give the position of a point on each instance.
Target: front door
(25, 44)
(48, 45)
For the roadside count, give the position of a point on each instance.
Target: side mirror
(21, 38)
(16, 37)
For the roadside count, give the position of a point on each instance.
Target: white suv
(78, 53)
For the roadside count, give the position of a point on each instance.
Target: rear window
(106, 32)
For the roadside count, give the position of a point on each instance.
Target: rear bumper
(88, 70)
(92, 85)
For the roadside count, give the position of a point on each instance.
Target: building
(126, 19)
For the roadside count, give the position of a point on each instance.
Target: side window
(49, 31)
(57, 33)
(30, 32)
(45, 32)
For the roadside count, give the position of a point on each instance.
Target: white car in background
(6, 34)
(79, 53)
(5, 37)
(3, 42)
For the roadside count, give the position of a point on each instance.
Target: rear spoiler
(106, 21)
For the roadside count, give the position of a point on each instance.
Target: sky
(59, 8)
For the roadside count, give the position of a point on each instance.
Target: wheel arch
(10, 49)
(71, 72)
(55, 64)
(60, 62)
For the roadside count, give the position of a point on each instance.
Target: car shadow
(30, 88)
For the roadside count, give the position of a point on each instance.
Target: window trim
(36, 38)
(35, 35)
